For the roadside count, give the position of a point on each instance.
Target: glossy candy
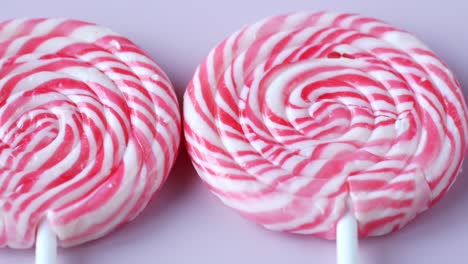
(299, 118)
(89, 129)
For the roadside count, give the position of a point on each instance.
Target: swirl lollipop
(89, 129)
(326, 122)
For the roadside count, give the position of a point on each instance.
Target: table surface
(185, 223)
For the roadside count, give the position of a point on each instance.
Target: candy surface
(297, 119)
(89, 129)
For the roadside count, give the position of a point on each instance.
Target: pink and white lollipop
(89, 129)
(313, 123)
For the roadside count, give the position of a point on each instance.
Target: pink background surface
(185, 223)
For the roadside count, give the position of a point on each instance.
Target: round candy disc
(298, 119)
(89, 128)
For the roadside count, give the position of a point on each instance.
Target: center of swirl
(323, 117)
(308, 104)
(45, 127)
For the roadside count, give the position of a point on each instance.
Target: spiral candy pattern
(89, 129)
(298, 119)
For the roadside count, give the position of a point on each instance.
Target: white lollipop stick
(46, 245)
(347, 240)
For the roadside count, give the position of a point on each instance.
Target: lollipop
(325, 122)
(89, 129)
